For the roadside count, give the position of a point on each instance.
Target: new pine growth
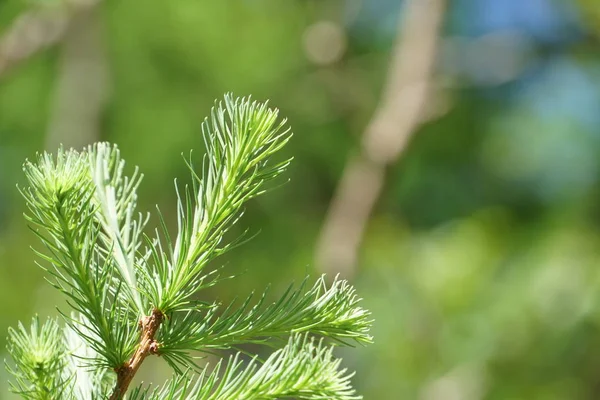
(132, 294)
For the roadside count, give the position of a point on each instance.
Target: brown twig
(146, 347)
(398, 116)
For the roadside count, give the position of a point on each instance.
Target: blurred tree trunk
(82, 85)
(398, 116)
(31, 32)
(38, 28)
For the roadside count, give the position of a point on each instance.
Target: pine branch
(303, 369)
(147, 346)
(86, 382)
(241, 136)
(53, 363)
(116, 197)
(39, 357)
(131, 303)
(330, 312)
(60, 199)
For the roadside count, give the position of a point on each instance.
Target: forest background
(447, 162)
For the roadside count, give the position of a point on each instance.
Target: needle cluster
(132, 293)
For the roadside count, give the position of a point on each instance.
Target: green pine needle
(132, 295)
(330, 312)
(240, 137)
(63, 212)
(39, 357)
(303, 369)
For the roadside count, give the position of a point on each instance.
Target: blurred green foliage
(481, 263)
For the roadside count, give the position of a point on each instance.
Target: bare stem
(147, 346)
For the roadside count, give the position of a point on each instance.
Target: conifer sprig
(85, 382)
(330, 312)
(132, 295)
(39, 357)
(304, 369)
(63, 214)
(116, 199)
(240, 137)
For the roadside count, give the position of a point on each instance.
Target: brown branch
(397, 117)
(36, 30)
(146, 347)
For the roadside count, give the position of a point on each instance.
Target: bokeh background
(480, 258)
